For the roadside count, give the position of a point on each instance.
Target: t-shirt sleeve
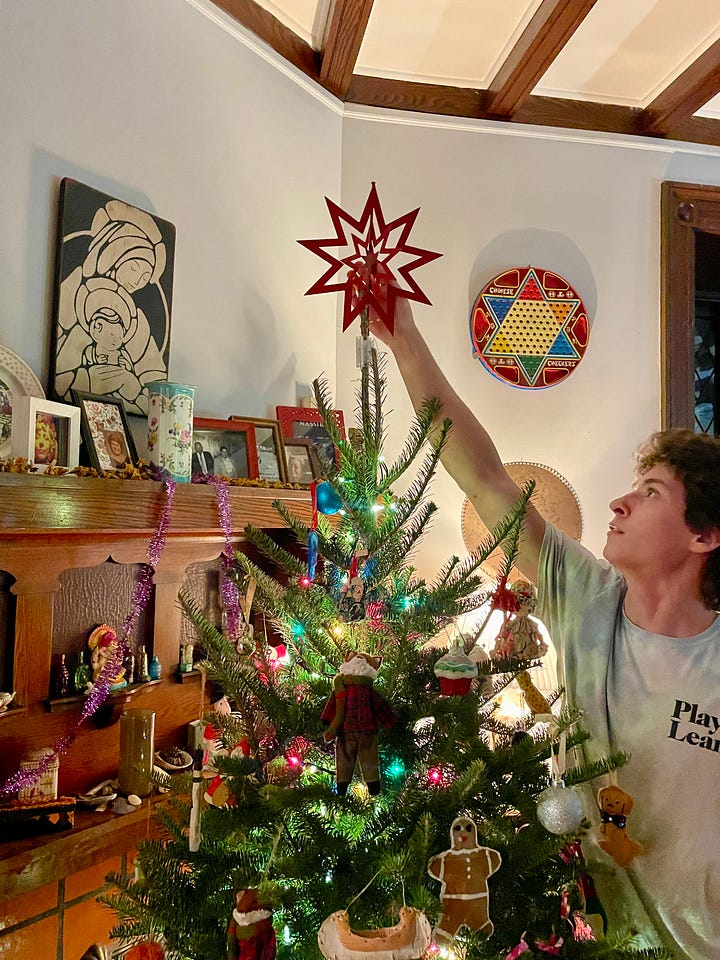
(571, 581)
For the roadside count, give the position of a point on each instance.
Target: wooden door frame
(685, 208)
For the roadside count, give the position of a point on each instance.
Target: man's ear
(706, 541)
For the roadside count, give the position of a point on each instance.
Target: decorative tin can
(45, 786)
(170, 419)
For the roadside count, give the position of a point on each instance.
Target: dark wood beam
(274, 33)
(690, 91)
(347, 24)
(536, 111)
(554, 22)
(421, 97)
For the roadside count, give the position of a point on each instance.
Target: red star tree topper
(374, 262)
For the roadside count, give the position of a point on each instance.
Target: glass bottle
(155, 668)
(62, 678)
(137, 745)
(82, 674)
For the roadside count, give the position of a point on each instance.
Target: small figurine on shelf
(142, 675)
(102, 644)
(186, 657)
(520, 639)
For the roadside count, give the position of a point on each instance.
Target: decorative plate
(553, 497)
(16, 380)
(529, 328)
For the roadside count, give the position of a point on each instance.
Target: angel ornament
(520, 639)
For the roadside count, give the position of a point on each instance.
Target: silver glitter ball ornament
(559, 809)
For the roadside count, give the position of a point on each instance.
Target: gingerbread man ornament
(463, 871)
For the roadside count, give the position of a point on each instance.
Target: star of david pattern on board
(529, 327)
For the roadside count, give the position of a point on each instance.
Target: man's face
(648, 530)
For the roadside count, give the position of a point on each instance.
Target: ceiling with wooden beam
(642, 67)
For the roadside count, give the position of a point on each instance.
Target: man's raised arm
(470, 456)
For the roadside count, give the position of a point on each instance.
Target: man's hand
(404, 323)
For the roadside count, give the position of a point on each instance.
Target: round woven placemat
(553, 497)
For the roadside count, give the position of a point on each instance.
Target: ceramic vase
(170, 418)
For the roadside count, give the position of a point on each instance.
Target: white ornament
(559, 808)
(409, 938)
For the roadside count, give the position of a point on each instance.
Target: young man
(638, 643)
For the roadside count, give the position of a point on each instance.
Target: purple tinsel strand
(111, 668)
(228, 587)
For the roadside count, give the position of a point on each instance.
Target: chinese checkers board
(529, 328)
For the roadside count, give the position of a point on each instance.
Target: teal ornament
(312, 553)
(328, 501)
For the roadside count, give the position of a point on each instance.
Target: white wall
(170, 106)
(587, 207)
(162, 105)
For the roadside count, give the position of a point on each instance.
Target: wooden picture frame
(235, 437)
(109, 444)
(269, 447)
(307, 422)
(303, 463)
(45, 433)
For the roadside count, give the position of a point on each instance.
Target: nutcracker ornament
(354, 714)
(463, 871)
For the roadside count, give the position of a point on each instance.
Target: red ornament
(366, 249)
(529, 327)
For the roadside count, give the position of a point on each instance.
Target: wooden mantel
(52, 524)
(33, 505)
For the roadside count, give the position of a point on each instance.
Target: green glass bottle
(82, 674)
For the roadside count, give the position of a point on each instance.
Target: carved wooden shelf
(111, 708)
(54, 524)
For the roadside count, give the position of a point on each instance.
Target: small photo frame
(303, 465)
(307, 422)
(108, 441)
(269, 447)
(45, 433)
(224, 448)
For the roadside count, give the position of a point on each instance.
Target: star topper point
(374, 263)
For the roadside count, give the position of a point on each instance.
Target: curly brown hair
(694, 459)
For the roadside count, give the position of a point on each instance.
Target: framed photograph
(224, 448)
(45, 433)
(306, 422)
(269, 446)
(105, 431)
(113, 297)
(303, 464)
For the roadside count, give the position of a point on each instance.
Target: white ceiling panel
(627, 51)
(457, 42)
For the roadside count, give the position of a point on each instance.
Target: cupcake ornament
(455, 671)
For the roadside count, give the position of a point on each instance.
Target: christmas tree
(332, 825)
(368, 801)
